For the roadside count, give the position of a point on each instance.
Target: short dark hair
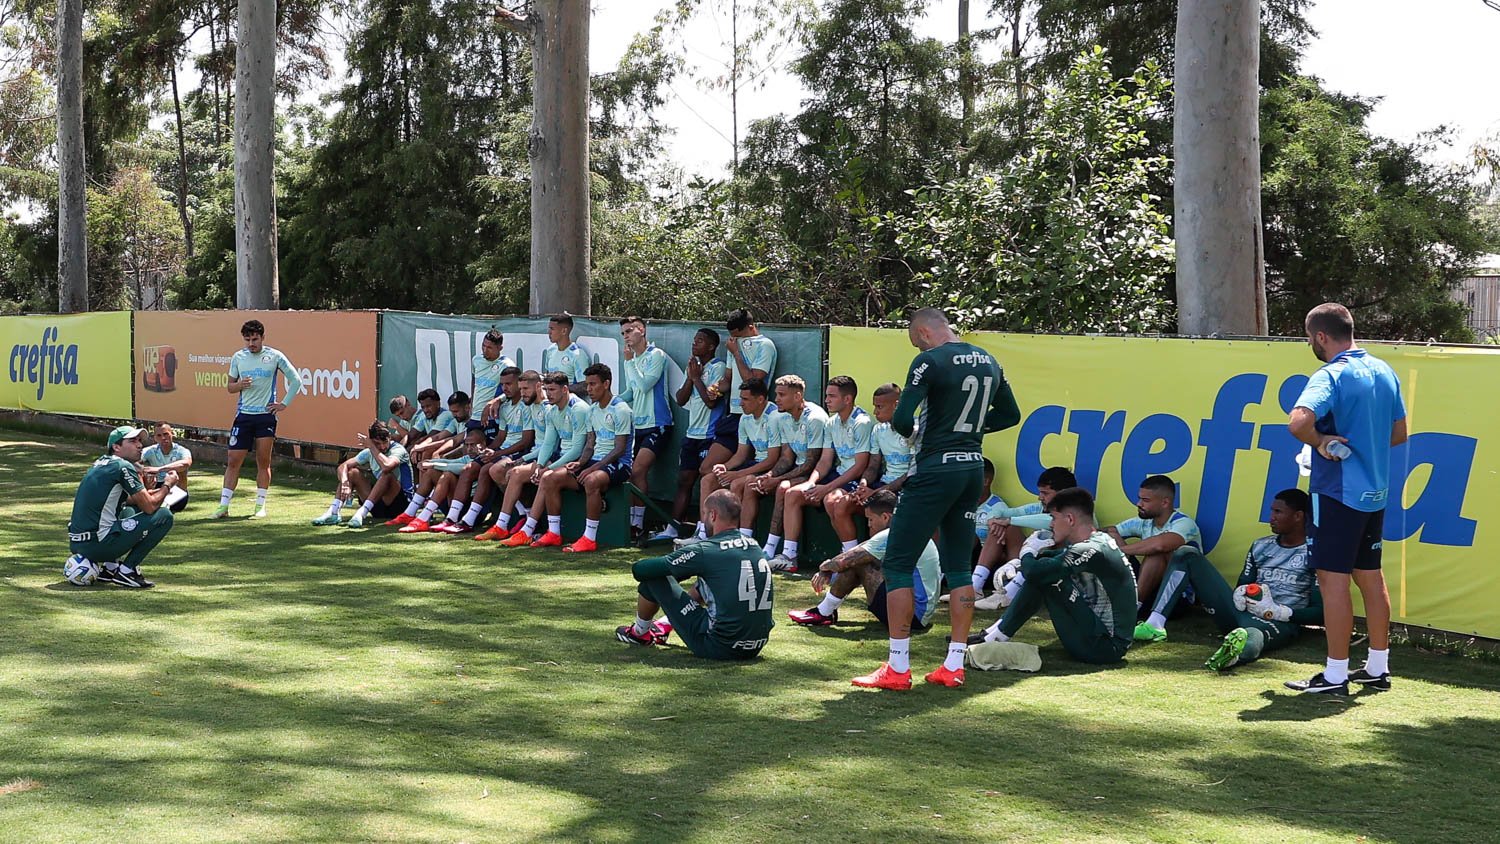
(494, 336)
(888, 388)
(989, 467)
(563, 319)
(601, 371)
(429, 394)
(628, 320)
(739, 319)
(881, 501)
(929, 316)
(710, 335)
(379, 432)
(557, 378)
(252, 326)
(531, 375)
(1075, 499)
(755, 387)
(1160, 484)
(511, 372)
(844, 384)
(1296, 499)
(1332, 319)
(725, 503)
(460, 397)
(397, 403)
(1057, 477)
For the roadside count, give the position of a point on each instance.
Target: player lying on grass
(607, 446)
(728, 613)
(1160, 529)
(1084, 584)
(441, 475)
(803, 432)
(565, 432)
(379, 475)
(699, 395)
(1287, 596)
(839, 471)
(759, 448)
(999, 539)
(117, 521)
(860, 566)
(166, 455)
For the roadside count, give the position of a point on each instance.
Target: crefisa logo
(47, 362)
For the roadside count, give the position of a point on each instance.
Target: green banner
(421, 350)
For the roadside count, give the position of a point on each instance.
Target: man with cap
(116, 520)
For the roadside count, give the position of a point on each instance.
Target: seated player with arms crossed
(803, 436)
(645, 371)
(166, 455)
(529, 411)
(565, 431)
(1160, 529)
(1084, 584)
(728, 614)
(839, 471)
(860, 566)
(699, 396)
(380, 475)
(403, 416)
(1252, 625)
(430, 427)
(759, 449)
(890, 454)
(608, 441)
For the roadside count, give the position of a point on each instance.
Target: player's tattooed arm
(856, 556)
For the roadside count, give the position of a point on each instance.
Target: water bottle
(1338, 450)
(1254, 593)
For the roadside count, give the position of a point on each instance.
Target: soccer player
(645, 369)
(1084, 583)
(166, 455)
(488, 366)
(965, 396)
(839, 471)
(380, 475)
(759, 448)
(611, 428)
(513, 441)
(430, 428)
(750, 356)
(803, 434)
(565, 432)
(441, 476)
(564, 355)
(252, 376)
(403, 415)
(1000, 535)
(1160, 529)
(860, 566)
(699, 396)
(1352, 414)
(444, 437)
(728, 615)
(890, 454)
(117, 521)
(1278, 563)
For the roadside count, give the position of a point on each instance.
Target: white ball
(80, 570)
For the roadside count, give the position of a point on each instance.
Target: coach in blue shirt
(1351, 413)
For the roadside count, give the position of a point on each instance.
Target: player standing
(964, 396)
(252, 376)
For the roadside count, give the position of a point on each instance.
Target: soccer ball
(80, 570)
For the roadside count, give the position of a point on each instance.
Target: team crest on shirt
(265, 358)
(127, 525)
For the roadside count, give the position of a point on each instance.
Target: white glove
(1008, 571)
(1239, 599)
(1264, 608)
(1304, 461)
(1036, 543)
(1272, 611)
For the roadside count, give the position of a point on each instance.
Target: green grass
(298, 684)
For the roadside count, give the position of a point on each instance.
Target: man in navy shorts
(611, 429)
(253, 373)
(645, 376)
(1351, 413)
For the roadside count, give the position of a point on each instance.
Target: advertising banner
(1212, 414)
(68, 363)
(182, 365)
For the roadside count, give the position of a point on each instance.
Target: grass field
(289, 683)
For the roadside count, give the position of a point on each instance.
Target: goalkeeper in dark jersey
(1084, 583)
(1251, 624)
(727, 614)
(963, 395)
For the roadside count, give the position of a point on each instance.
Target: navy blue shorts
(398, 505)
(617, 472)
(850, 487)
(727, 432)
(1342, 539)
(654, 440)
(249, 427)
(692, 455)
(878, 609)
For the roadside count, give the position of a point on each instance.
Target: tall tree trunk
(1017, 16)
(257, 285)
(560, 158)
(965, 85)
(1221, 285)
(72, 198)
(734, 85)
(182, 209)
(213, 50)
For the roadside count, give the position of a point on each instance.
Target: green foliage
(1064, 237)
(134, 240)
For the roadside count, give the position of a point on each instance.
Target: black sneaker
(128, 579)
(1378, 682)
(974, 638)
(1318, 685)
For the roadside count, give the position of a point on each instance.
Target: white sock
(701, 532)
(1013, 588)
(773, 542)
(224, 495)
(365, 508)
(637, 516)
(554, 524)
(900, 658)
(830, 603)
(503, 521)
(1378, 662)
(415, 507)
(981, 574)
(1138, 605)
(747, 532)
(993, 634)
(790, 551)
(671, 530)
(429, 510)
(1336, 670)
(522, 509)
(472, 515)
(260, 497)
(455, 510)
(591, 529)
(1157, 620)
(335, 507)
(955, 658)
(642, 626)
(530, 527)
(845, 546)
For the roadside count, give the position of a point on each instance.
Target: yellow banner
(75, 363)
(1212, 414)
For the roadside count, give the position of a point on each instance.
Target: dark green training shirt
(101, 496)
(734, 580)
(963, 395)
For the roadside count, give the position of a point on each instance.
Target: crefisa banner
(1212, 414)
(68, 363)
(182, 365)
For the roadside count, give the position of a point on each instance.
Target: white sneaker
(997, 601)
(686, 541)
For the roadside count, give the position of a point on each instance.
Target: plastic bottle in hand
(1253, 593)
(1338, 450)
